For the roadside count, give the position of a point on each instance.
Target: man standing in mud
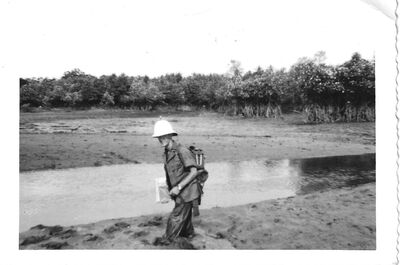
(180, 171)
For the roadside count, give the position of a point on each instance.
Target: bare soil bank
(335, 219)
(65, 139)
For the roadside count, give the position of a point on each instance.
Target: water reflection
(83, 195)
(315, 174)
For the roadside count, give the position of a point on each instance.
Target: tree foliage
(358, 79)
(324, 92)
(145, 94)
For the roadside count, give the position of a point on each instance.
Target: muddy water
(83, 195)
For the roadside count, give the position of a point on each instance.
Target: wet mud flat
(61, 139)
(342, 218)
(311, 216)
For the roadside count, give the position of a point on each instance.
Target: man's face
(164, 140)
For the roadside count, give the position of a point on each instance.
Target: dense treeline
(325, 93)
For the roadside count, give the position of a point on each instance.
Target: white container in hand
(162, 194)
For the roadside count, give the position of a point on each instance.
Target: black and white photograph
(203, 125)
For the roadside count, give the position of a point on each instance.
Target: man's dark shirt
(177, 164)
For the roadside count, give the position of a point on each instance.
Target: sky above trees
(158, 37)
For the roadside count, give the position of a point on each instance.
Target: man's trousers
(180, 220)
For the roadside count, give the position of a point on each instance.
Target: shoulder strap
(167, 177)
(180, 154)
(178, 150)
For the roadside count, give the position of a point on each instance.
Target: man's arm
(167, 178)
(191, 176)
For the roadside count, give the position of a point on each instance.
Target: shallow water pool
(83, 195)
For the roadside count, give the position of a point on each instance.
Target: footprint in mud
(218, 235)
(116, 227)
(363, 229)
(370, 229)
(159, 241)
(123, 158)
(145, 242)
(92, 238)
(55, 245)
(139, 234)
(178, 243)
(299, 246)
(257, 241)
(33, 240)
(183, 243)
(268, 234)
(56, 230)
(156, 221)
(67, 233)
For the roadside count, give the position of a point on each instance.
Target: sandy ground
(52, 140)
(335, 219)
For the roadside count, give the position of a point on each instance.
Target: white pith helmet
(163, 127)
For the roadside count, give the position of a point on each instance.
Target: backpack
(202, 174)
(200, 158)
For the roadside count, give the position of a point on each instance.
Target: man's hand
(174, 192)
